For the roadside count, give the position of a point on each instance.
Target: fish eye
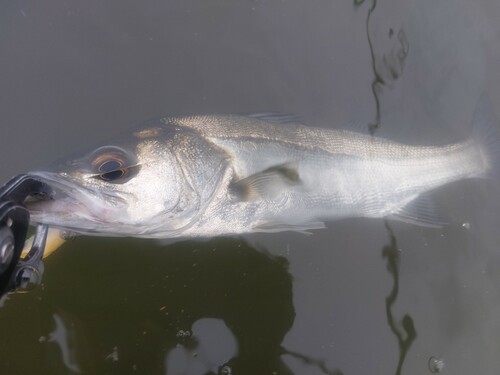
(113, 164)
(111, 170)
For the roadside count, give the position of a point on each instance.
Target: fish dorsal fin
(268, 183)
(276, 117)
(421, 211)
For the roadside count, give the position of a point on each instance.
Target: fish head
(133, 186)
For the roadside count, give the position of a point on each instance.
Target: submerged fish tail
(486, 133)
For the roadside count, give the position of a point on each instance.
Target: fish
(211, 175)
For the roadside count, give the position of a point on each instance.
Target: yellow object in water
(55, 239)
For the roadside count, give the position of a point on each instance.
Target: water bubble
(181, 333)
(435, 365)
(466, 225)
(226, 370)
(113, 356)
(67, 235)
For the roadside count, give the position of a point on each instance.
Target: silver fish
(213, 175)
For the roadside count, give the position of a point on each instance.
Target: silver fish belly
(214, 175)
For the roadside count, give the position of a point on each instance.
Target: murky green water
(361, 297)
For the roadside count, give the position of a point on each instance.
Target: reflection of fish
(210, 175)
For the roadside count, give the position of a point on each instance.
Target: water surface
(361, 297)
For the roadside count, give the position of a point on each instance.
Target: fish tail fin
(486, 132)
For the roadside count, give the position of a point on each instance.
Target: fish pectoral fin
(304, 228)
(268, 183)
(421, 211)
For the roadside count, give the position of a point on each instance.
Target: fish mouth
(72, 206)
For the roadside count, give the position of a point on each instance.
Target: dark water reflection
(141, 308)
(215, 307)
(405, 331)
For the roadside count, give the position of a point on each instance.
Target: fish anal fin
(421, 211)
(267, 183)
